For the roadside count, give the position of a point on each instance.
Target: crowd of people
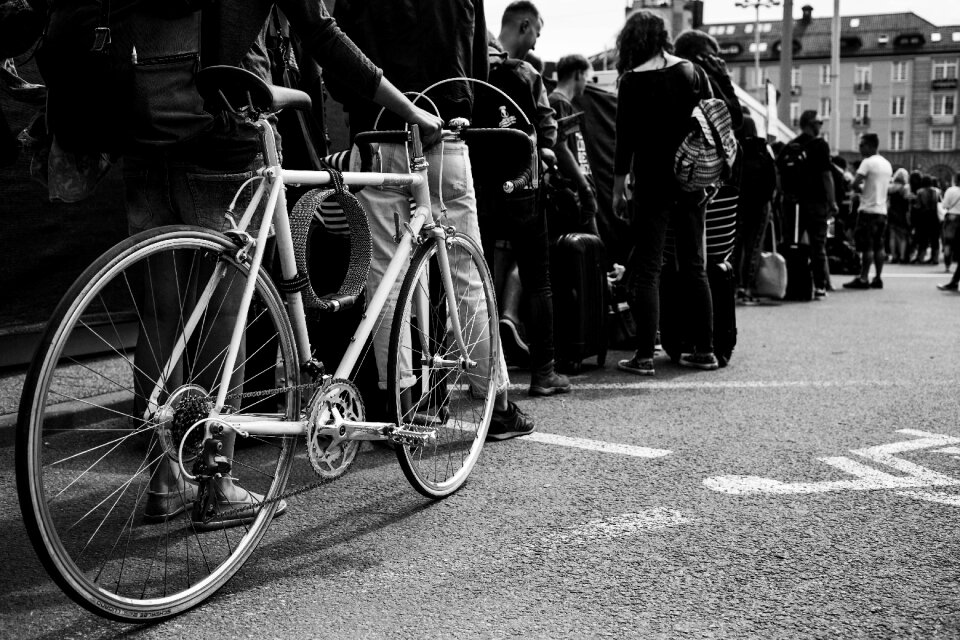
(365, 49)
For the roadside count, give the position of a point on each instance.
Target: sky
(590, 26)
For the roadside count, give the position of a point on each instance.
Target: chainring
(329, 456)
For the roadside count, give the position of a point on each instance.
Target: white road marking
(597, 445)
(752, 384)
(867, 477)
(916, 275)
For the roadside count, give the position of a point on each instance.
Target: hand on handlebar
(431, 126)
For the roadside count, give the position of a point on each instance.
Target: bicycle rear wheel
(89, 443)
(431, 392)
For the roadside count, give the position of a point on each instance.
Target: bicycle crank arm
(349, 430)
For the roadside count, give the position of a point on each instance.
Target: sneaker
(638, 366)
(509, 424)
(515, 350)
(705, 361)
(819, 293)
(856, 283)
(549, 384)
(950, 286)
(876, 283)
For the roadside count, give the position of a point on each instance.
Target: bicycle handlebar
(505, 143)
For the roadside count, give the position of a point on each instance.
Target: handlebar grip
(520, 182)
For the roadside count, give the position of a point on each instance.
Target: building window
(899, 72)
(748, 28)
(731, 29)
(824, 108)
(854, 23)
(898, 106)
(944, 69)
(861, 111)
(941, 139)
(955, 36)
(862, 74)
(766, 27)
(795, 77)
(794, 114)
(763, 47)
(896, 141)
(943, 104)
(824, 74)
(935, 37)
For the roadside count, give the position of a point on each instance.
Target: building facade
(898, 78)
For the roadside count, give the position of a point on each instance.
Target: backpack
(121, 73)
(791, 162)
(707, 155)
(492, 163)
(492, 110)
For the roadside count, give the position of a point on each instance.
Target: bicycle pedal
(410, 437)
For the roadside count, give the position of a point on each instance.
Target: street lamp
(757, 4)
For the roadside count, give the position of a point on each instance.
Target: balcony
(862, 87)
(944, 83)
(942, 121)
(862, 121)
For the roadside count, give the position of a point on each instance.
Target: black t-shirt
(817, 162)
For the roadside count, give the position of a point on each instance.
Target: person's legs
(688, 222)
(529, 237)
(814, 216)
(879, 227)
(643, 273)
(160, 193)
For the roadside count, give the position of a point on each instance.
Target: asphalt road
(809, 490)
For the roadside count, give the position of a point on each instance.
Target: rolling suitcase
(675, 315)
(797, 257)
(579, 283)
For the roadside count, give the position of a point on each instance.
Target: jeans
(686, 213)
(451, 179)
(160, 192)
(524, 224)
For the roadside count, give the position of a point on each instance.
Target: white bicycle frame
(273, 178)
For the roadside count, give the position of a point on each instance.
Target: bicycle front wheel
(436, 387)
(129, 361)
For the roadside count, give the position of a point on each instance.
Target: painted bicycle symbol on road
(914, 480)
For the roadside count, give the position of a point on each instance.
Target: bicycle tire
(82, 488)
(431, 398)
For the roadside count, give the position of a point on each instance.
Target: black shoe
(549, 384)
(950, 286)
(856, 283)
(876, 283)
(509, 424)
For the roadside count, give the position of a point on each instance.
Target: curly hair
(642, 37)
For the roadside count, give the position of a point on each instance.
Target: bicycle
(84, 478)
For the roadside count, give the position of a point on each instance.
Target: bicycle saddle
(240, 88)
